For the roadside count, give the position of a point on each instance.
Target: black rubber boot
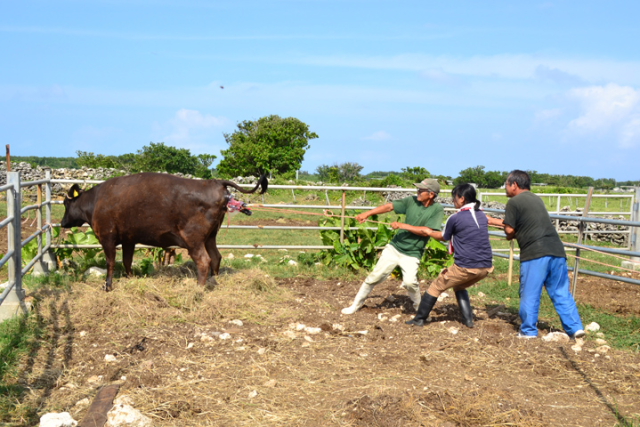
(465, 307)
(426, 304)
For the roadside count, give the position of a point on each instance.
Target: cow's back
(158, 209)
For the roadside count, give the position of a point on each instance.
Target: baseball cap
(430, 184)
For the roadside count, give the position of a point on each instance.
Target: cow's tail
(262, 183)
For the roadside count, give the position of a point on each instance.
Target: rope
(326, 213)
(599, 252)
(602, 263)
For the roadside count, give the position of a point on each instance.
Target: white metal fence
(12, 297)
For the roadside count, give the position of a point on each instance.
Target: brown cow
(158, 210)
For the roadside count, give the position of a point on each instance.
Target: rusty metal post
(8, 147)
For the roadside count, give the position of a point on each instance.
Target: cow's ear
(74, 191)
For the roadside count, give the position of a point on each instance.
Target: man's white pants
(390, 258)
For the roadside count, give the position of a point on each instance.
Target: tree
(328, 173)
(415, 174)
(343, 172)
(494, 179)
(92, 160)
(269, 145)
(349, 171)
(155, 157)
(158, 157)
(471, 175)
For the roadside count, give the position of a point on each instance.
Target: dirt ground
(258, 351)
(265, 352)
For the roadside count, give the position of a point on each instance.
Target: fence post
(344, 206)
(557, 221)
(510, 262)
(14, 300)
(581, 229)
(634, 237)
(49, 261)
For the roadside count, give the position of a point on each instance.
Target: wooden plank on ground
(97, 414)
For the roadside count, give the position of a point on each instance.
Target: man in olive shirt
(543, 261)
(407, 246)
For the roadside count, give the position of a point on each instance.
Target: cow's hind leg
(203, 263)
(214, 254)
(109, 247)
(127, 257)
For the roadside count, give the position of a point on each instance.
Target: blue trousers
(550, 272)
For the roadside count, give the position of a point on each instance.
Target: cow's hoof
(210, 284)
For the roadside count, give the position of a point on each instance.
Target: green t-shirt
(536, 235)
(417, 215)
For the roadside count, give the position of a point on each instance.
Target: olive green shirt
(535, 233)
(417, 215)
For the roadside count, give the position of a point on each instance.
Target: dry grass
(295, 361)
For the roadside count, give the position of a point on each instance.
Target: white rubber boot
(358, 301)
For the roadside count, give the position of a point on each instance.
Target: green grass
(19, 337)
(622, 332)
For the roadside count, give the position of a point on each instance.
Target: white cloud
(607, 111)
(378, 136)
(191, 127)
(566, 70)
(548, 115)
(438, 75)
(555, 75)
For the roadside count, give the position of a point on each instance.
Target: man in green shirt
(407, 246)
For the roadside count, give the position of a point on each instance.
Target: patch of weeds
(309, 259)
(498, 290)
(55, 280)
(18, 336)
(620, 332)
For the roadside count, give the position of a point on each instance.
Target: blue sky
(552, 86)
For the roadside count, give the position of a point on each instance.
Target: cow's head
(73, 213)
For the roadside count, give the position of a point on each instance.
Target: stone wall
(28, 173)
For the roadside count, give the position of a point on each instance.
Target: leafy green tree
(349, 171)
(203, 165)
(328, 173)
(155, 157)
(269, 145)
(158, 157)
(91, 160)
(605, 183)
(494, 179)
(415, 174)
(343, 172)
(471, 175)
